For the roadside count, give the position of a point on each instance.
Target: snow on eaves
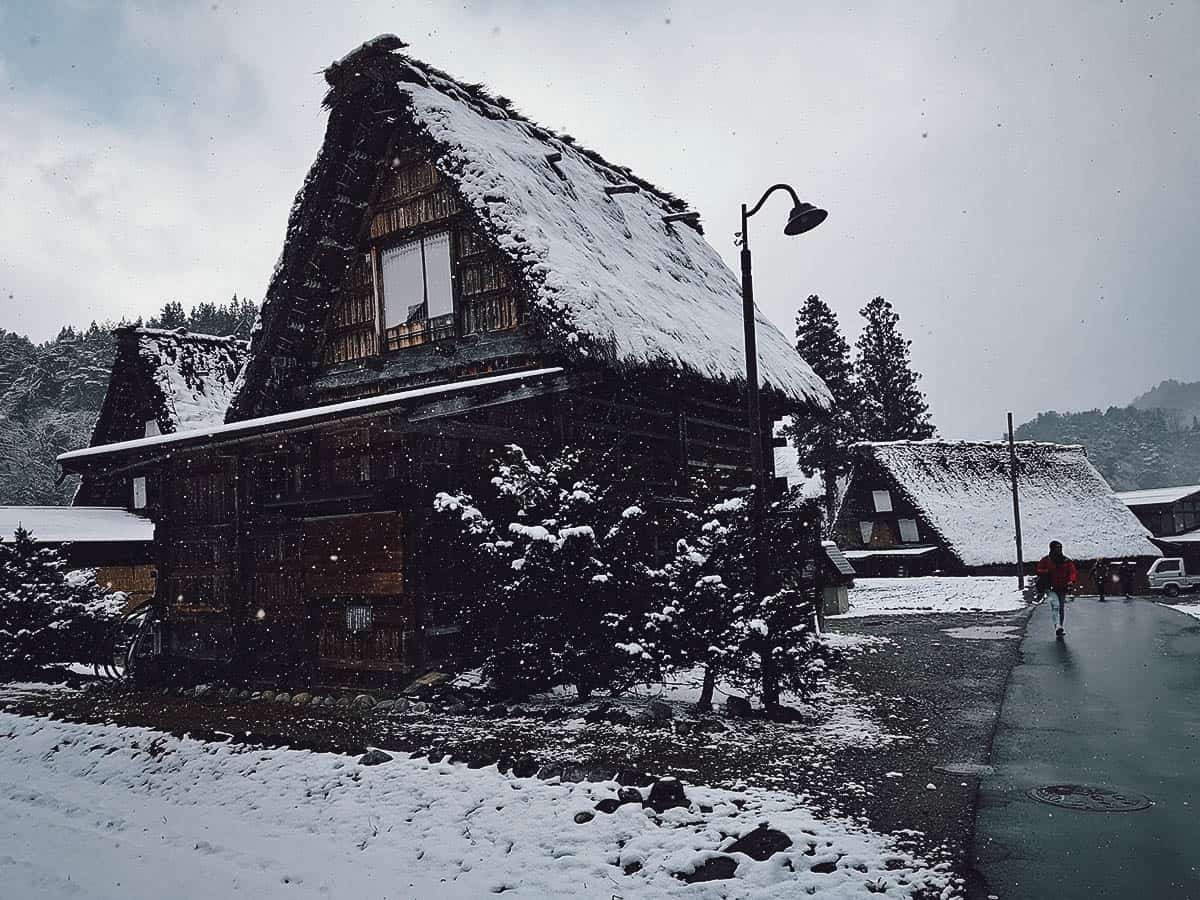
(622, 283)
(282, 421)
(80, 524)
(194, 374)
(964, 491)
(1158, 496)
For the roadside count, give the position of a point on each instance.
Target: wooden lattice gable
(423, 272)
(615, 271)
(859, 506)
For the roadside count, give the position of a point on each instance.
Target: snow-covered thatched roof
(193, 373)
(608, 278)
(183, 381)
(964, 492)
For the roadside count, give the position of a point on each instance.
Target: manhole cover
(1090, 797)
(976, 770)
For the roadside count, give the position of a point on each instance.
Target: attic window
(866, 529)
(883, 501)
(908, 531)
(416, 280)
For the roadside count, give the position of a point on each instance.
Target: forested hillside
(50, 394)
(1179, 399)
(1133, 448)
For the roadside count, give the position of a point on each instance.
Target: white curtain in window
(866, 529)
(883, 501)
(437, 275)
(908, 531)
(403, 282)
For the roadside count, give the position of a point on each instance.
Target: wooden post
(1012, 461)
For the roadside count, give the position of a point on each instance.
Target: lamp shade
(804, 217)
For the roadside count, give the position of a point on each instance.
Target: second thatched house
(917, 507)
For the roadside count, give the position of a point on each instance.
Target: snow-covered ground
(933, 594)
(103, 811)
(1188, 609)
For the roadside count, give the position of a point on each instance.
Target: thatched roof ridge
(480, 99)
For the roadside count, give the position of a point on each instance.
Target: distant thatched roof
(964, 491)
(609, 279)
(181, 379)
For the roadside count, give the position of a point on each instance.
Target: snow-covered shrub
(562, 561)
(758, 636)
(47, 612)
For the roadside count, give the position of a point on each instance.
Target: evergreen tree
(170, 317)
(561, 566)
(713, 614)
(893, 408)
(47, 613)
(822, 442)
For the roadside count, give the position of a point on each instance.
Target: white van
(1170, 576)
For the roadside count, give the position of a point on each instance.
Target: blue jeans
(1057, 607)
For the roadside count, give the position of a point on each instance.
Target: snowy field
(101, 811)
(899, 596)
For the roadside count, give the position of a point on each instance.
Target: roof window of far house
(908, 531)
(883, 500)
(417, 281)
(866, 529)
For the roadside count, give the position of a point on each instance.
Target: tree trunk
(706, 690)
(830, 500)
(770, 678)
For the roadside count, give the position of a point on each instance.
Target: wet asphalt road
(1117, 704)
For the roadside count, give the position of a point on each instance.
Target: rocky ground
(915, 693)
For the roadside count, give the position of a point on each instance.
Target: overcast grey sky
(1020, 180)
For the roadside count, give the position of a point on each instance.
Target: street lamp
(804, 217)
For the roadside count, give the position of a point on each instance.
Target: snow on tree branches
(47, 613)
(575, 582)
(559, 564)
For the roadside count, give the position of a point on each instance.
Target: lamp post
(804, 217)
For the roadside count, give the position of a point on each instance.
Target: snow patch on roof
(964, 491)
(636, 290)
(84, 524)
(195, 374)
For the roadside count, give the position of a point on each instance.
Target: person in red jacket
(1056, 574)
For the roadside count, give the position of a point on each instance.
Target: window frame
(399, 335)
